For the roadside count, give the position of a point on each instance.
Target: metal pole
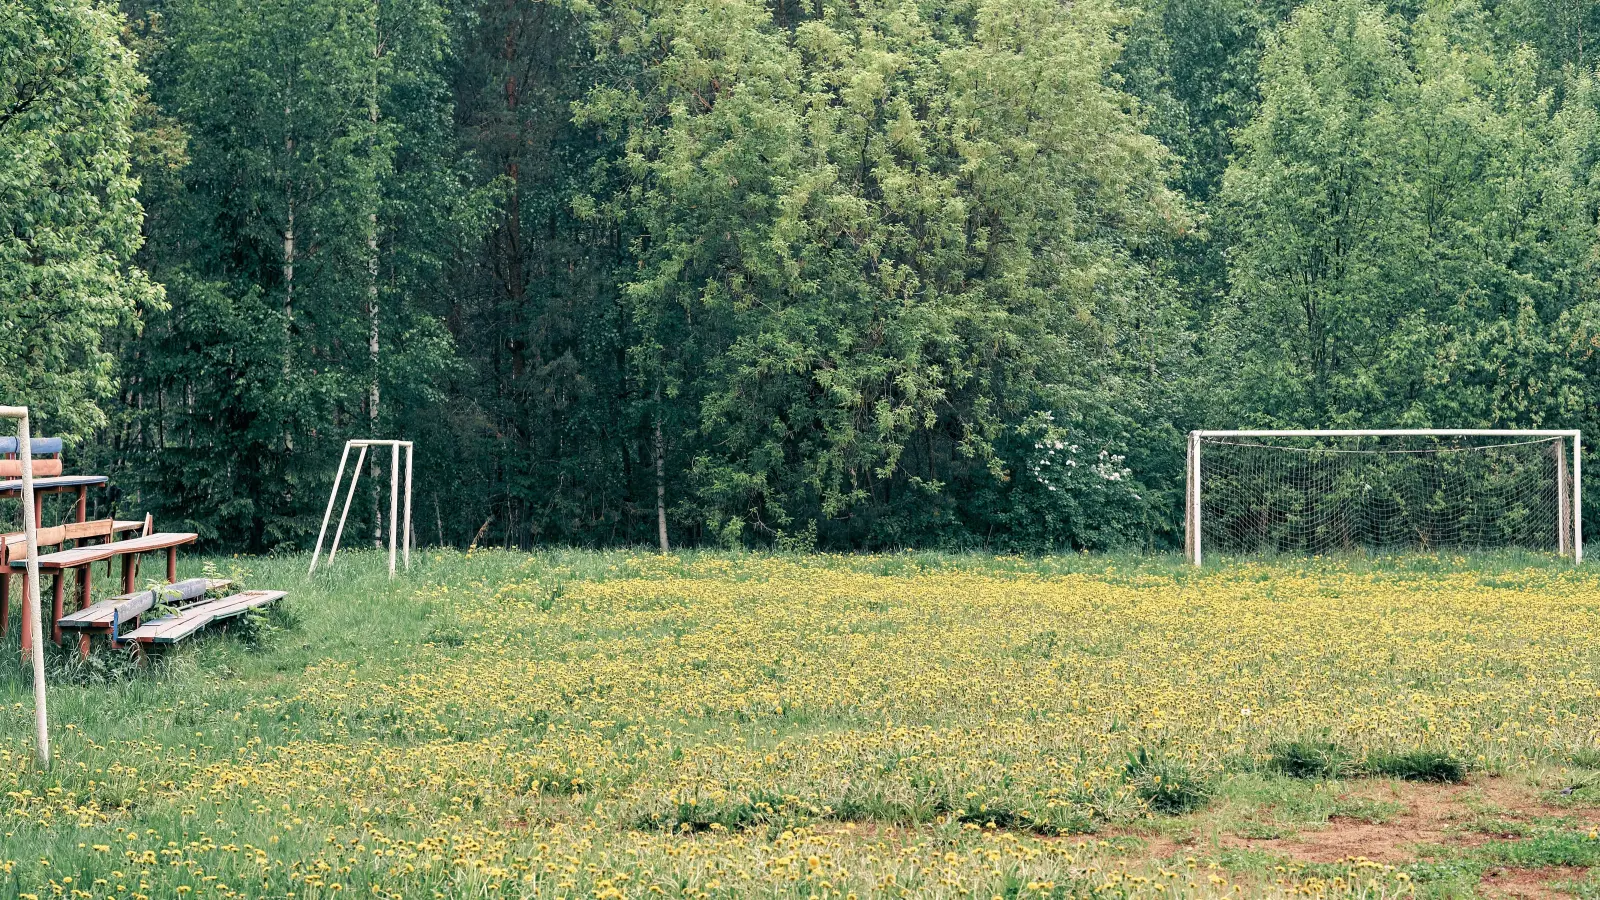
(31, 604)
(1198, 522)
(333, 497)
(410, 458)
(1188, 498)
(354, 477)
(1563, 500)
(1396, 432)
(394, 499)
(1577, 497)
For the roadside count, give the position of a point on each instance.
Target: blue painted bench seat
(37, 446)
(52, 484)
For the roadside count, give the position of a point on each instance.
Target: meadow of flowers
(611, 725)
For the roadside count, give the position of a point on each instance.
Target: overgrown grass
(1324, 759)
(623, 709)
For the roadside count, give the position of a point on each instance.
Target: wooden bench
(108, 616)
(47, 477)
(14, 547)
(193, 618)
(83, 558)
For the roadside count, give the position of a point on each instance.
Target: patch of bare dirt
(1528, 884)
(1453, 815)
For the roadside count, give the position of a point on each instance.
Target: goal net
(1310, 492)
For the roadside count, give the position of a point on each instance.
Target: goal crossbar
(1397, 432)
(1194, 550)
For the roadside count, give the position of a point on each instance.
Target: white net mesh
(1385, 493)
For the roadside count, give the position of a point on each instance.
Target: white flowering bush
(1068, 485)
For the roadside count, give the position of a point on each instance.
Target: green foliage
(102, 668)
(868, 271)
(69, 212)
(876, 242)
(164, 606)
(320, 199)
(1412, 245)
(258, 628)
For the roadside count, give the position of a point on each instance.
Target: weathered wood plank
(48, 537)
(42, 468)
(52, 485)
(127, 606)
(176, 628)
(78, 556)
(99, 528)
(72, 531)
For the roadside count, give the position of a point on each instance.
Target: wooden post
(172, 564)
(1577, 498)
(30, 612)
(58, 591)
(354, 477)
(27, 621)
(1188, 500)
(1193, 521)
(394, 499)
(1199, 505)
(333, 497)
(410, 457)
(5, 593)
(84, 593)
(129, 566)
(83, 503)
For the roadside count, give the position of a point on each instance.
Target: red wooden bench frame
(12, 544)
(84, 558)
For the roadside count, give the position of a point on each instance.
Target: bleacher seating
(191, 602)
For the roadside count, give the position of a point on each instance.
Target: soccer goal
(1317, 492)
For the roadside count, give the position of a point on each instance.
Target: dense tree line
(752, 272)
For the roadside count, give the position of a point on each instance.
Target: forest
(838, 274)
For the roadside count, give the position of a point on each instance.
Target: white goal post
(1312, 495)
(395, 523)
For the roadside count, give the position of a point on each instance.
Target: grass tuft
(1417, 765)
(1168, 785)
(1587, 758)
(1311, 759)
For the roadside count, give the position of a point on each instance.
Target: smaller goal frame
(394, 491)
(1192, 494)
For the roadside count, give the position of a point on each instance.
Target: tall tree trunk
(372, 285)
(288, 261)
(372, 357)
(661, 479)
(288, 248)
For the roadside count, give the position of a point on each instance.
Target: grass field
(610, 725)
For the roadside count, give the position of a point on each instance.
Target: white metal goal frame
(1192, 497)
(394, 495)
